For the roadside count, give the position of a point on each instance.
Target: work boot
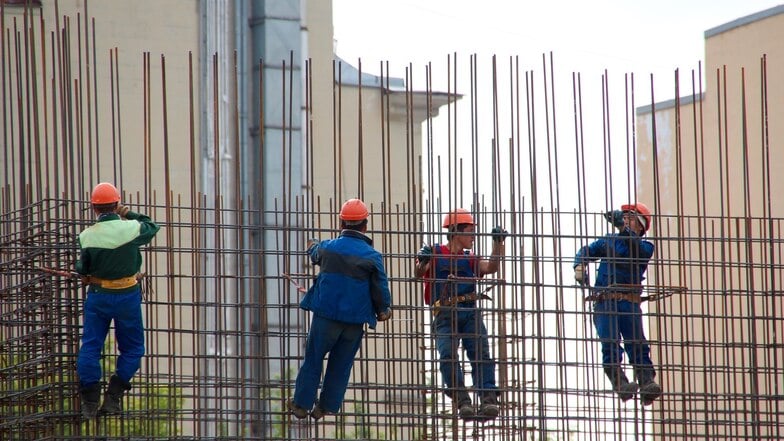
(90, 400)
(296, 410)
(489, 409)
(649, 390)
(620, 383)
(464, 406)
(112, 399)
(319, 412)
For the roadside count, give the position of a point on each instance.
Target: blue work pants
(453, 325)
(99, 311)
(621, 319)
(341, 340)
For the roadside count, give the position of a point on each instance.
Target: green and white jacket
(109, 249)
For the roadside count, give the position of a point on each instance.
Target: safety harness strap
(124, 282)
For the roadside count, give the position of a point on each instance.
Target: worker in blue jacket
(351, 289)
(109, 262)
(616, 296)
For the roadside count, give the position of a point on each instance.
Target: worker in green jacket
(109, 262)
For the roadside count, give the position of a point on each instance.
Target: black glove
(615, 217)
(423, 256)
(384, 315)
(499, 234)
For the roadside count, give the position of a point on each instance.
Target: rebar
(224, 332)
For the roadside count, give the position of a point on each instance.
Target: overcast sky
(622, 36)
(642, 37)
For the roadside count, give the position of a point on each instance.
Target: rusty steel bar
(224, 334)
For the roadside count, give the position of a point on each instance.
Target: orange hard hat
(640, 209)
(457, 217)
(353, 210)
(105, 193)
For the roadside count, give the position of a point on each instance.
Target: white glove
(581, 275)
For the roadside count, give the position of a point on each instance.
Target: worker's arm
(590, 253)
(421, 269)
(147, 228)
(632, 249)
(83, 263)
(493, 263)
(632, 246)
(379, 292)
(423, 261)
(313, 251)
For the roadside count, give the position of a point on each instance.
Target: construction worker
(451, 273)
(109, 262)
(350, 290)
(616, 297)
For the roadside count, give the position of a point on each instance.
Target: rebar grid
(224, 333)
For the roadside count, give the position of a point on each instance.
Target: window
(22, 3)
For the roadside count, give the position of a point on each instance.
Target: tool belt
(453, 300)
(125, 282)
(628, 296)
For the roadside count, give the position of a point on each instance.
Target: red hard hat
(457, 217)
(640, 209)
(353, 210)
(105, 193)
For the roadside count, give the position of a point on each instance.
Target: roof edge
(669, 104)
(350, 76)
(776, 10)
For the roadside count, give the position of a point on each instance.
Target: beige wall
(132, 28)
(133, 126)
(739, 53)
(172, 28)
(718, 337)
(729, 56)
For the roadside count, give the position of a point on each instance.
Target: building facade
(233, 118)
(707, 163)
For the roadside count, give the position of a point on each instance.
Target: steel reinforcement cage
(224, 332)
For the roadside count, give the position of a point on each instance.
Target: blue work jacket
(624, 258)
(352, 285)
